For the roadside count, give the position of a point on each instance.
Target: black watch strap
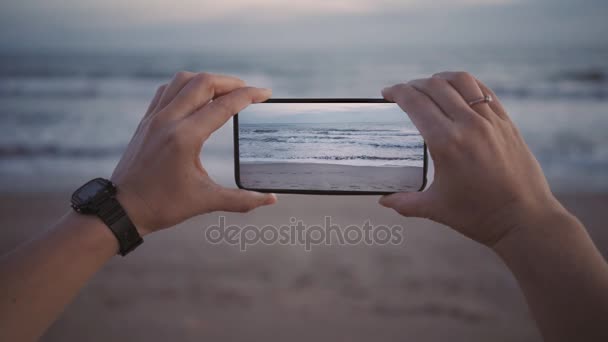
(114, 216)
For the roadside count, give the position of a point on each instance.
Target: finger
(201, 89)
(150, 109)
(214, 115)
(410, 204)
(446, 97)
(155, 100)
(496, 105)
(424, 113)
(466, 85)
(239, 200)
(179, 80)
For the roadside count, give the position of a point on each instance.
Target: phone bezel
(237, 172)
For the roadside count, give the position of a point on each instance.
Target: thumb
(242, 201)
(410, 204)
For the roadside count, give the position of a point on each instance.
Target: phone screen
(328, 147)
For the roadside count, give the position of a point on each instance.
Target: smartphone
(328, 146)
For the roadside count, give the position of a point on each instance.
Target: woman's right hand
(487, 182)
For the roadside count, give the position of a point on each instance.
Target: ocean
(353, 143)
(66, 116)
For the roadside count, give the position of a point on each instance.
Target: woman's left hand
(161, 181)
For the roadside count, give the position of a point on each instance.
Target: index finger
(214, 115)
(424, 113)
(198, 91)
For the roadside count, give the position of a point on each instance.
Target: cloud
(248, 24)
(110, 13)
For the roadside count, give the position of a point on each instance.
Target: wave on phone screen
(323, 146)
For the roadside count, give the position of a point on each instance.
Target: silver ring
(484, 99)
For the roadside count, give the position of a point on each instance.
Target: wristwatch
(98, 197)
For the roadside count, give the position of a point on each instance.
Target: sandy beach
(327, 177)
(436, 286)
(74, 87)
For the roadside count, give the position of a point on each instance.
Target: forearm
(41, 277)
(160, 182)
(562, 274)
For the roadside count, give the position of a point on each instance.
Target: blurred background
(76, 77)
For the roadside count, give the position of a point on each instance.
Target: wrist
(98, 197)
(540, 224)
(135, 208)
(91, 232)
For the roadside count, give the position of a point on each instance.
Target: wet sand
(327, 177)
(435, 286)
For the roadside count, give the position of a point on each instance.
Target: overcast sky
(283, 23)
(322, 113)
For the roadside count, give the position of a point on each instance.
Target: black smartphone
(328, 146)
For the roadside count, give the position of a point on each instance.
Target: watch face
(89, 191)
